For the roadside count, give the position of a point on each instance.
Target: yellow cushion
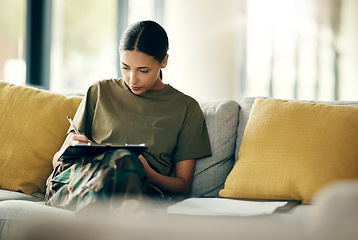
(291, 149)
(33, 127)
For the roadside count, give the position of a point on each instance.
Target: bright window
(84, 43)
(12, 41)
(290, 50)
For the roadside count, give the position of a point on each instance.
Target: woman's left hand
(143, 160)
(180, 184)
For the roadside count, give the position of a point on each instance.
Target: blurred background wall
(296, 49)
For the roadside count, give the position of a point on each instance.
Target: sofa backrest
(210, 172)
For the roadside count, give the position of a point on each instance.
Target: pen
(73, 125)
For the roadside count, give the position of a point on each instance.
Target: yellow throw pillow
(292, 149)
(33, 127)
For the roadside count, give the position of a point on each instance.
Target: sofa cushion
(33, 126)
(221, 118)
(12, 195)
(18, 217)
(28, 210)
(291, 149)
(246, 106)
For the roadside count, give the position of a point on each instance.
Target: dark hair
(147, 37)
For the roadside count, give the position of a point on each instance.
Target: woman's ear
(164, 63)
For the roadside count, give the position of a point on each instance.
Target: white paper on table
(224, 207)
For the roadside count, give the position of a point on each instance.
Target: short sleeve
(193, 140)
(85, 112)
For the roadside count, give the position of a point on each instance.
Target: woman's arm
(180, 184)
(70, 140)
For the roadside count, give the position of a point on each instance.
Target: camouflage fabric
(101, 179)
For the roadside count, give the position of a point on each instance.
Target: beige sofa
(33, 125)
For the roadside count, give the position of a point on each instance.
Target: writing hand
(71, 139)
(78, 139)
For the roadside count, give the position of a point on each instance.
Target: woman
(139, 108)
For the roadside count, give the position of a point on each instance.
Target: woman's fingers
(79, 139)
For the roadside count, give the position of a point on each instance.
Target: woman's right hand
(71, 139)
(74, 139)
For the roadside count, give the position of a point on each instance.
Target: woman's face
(141, 71)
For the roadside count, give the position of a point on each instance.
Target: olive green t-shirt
(170, 123)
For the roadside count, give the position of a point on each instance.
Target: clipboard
(84, 150)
